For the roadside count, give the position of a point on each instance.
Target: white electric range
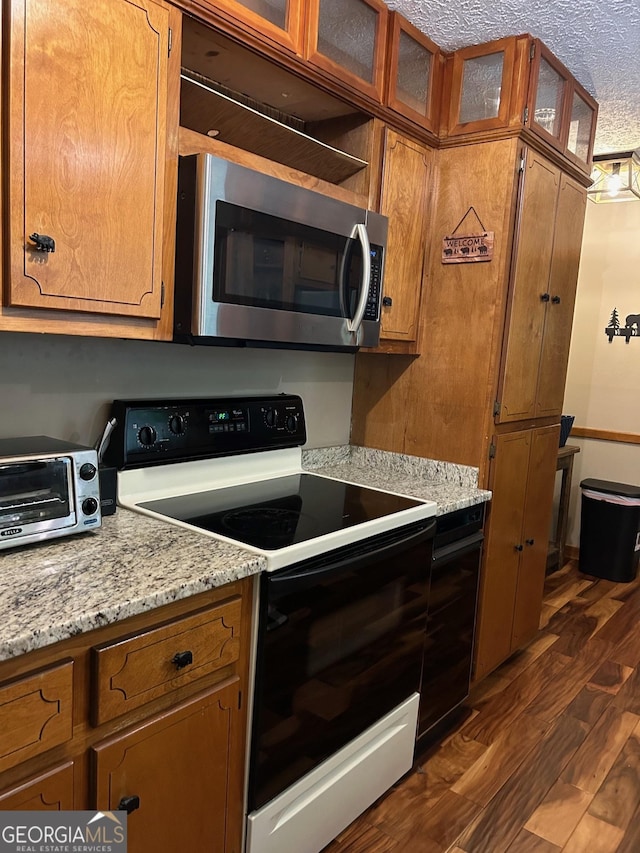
(340, 623)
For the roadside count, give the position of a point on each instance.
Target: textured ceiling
(598, 41)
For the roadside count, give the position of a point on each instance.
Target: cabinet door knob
(518, 547)
(545, 297)
(129, 804)
(387, 301)
(43, 242)
(529, 541)
(182, 659)
(555, 300)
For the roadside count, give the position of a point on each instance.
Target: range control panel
(152, 432)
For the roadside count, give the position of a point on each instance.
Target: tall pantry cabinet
(488, 387)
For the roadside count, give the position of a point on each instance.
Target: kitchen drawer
(135, 669)
(36, 713)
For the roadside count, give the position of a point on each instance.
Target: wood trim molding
(571, 552)
(605, 435)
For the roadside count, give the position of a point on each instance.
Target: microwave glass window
(31, 492)
(267, 262)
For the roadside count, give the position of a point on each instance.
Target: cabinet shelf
(213, 113)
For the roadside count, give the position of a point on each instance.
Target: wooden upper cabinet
(517, 82)
(543, 287)
(280, 21)
(348, 39)
(548, 95)
(563, 282)
(558, 108)
(479, 85)
(87, 116)
(414, 73)
(404, 199)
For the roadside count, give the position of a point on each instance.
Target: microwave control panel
(375, 283)
(156, 432)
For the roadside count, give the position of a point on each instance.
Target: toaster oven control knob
(89, 506)
(176, 424)
(87, 471)
(147, 436)
(271, 417)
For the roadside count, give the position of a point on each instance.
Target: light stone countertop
(134, 563)
(451, 486)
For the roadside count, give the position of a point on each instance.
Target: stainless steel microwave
(48, 488)
(261, 260)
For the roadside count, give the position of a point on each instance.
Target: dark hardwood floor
(547, 758)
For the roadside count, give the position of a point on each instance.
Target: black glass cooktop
(283, 511)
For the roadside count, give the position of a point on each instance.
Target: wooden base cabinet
(159, 712)
(172, 771)
(515, 557)
(48, 791)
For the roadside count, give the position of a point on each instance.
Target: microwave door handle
(342, 276)
(360, 231)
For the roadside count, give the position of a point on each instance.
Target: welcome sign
(467, 248)
(63, 832)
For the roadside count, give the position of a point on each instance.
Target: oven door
(340, 644)
(36, 495)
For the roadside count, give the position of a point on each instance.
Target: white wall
(63, 386)
(603, 380)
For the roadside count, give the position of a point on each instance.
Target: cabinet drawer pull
(182, 659)
(555, 300)
(43, 242)
(518, 547)
(129, 804)
(530, 541)
(545, 297)
(387, 301)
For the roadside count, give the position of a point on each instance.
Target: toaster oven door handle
(360, 231)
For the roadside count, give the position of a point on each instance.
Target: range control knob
(87, 471)
(177, 424)
(147, 436)
(89, 506)
(292, 423)
(271, 417)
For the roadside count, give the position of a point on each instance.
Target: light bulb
(614, 181)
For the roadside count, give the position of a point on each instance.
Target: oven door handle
(295, 580)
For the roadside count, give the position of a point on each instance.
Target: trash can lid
(610, 488)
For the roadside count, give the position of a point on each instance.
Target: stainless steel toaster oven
(48, 488)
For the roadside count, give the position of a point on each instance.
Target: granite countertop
(135, 563)
(451, 486)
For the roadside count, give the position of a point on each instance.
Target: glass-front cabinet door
(550, 85)
(415, 65)
(583, 111)
(347, 38)
(280, 21)
(480, 80)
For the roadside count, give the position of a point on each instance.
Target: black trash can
(610, 530)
